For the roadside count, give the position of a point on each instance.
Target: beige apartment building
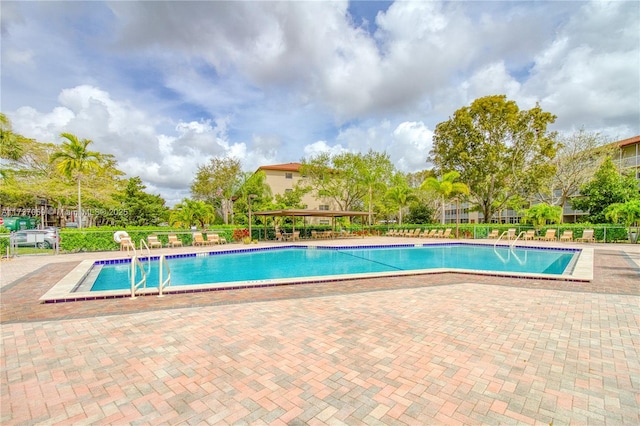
(283, 178)
(630, 155)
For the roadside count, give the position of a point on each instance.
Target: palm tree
(74, 161)
(447, 188)
(627, 213)
(190, 212)
(400, 195)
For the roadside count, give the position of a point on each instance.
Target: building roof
(629, 141)
(288, 167)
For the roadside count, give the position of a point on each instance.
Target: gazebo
(310, 213)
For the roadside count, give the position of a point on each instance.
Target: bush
(240, 234)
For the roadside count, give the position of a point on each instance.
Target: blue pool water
(217, 267)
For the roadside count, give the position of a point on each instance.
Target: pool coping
(65, 290)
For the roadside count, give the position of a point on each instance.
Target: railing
(522, 233)
(166, 283)
(143, 281)
(129, 245)
(500, 237)
(143, 243)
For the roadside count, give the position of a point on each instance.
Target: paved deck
(436, 349)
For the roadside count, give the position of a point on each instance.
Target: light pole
(251, 197)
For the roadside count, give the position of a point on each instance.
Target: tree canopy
(579, 156)
(499, 150)
(539, 214)
(354, 181)
(446, 188)
(33, 171)
(607, 187)
(216, 183)
(137, 207)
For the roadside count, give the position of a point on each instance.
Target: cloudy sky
(164, 86)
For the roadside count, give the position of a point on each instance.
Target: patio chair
(446, 233)
(198, 240)
(587, 236)
(153, 241)
(294, 236)
(494, 234)
(126, 243)
(174, 241)
(550, 235)
(529, 235)
(213, 238)
(566, 236)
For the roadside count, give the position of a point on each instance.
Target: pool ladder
(508, 235)
(162, 282)
(511, 248)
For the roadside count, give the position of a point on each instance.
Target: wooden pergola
(293, 213)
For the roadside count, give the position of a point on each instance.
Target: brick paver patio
(437, 349)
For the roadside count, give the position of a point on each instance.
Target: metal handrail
(161, 284)
(498, 239)
(143, 281)
(129, 245)
(516, 239)
(144, 243)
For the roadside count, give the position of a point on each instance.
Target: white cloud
(490, 80)
(320, 147)
(164, 86)
(412, 142)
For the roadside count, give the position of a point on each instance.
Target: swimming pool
(260, 265)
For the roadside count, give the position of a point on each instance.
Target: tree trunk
(370, 207)
(79, 218)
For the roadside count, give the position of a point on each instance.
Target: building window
(288, 190)
(324, 222)
(324, 207)
(288, 175)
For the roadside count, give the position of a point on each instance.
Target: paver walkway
(437, 349)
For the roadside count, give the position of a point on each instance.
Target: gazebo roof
(305, 212)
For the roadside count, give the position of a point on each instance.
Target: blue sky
(165, 86)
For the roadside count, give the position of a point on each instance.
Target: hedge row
(101, 239)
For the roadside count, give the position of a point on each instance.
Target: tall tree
(252, 185)
(499, 150)
(136, 207)
(400, 194)
(336, 177)
(350, 180)
(607, 187)
(446, 188)
(216, 183)
(74, 160)
(375, 172)
(579, 156)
